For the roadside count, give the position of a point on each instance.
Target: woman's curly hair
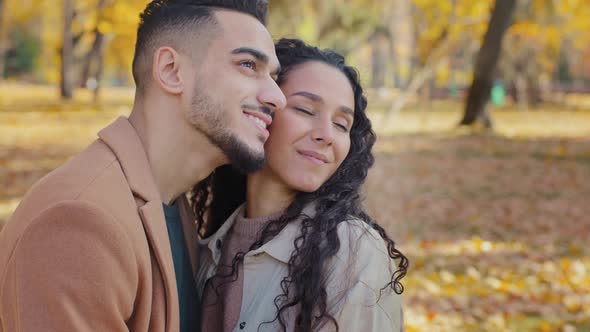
(337, 200)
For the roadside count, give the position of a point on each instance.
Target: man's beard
(211, 119)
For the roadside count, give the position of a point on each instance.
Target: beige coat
(355, 277)
(88, 249)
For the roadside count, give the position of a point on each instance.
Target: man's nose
(271, 96)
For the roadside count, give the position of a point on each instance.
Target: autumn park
(482, 110)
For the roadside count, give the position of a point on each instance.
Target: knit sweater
(222, 298)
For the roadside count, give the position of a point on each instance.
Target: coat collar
(123, 140)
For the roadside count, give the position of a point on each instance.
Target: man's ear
(166, 70)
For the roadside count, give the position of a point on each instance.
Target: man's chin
(247, 164)
(243, 158)
(241, 155)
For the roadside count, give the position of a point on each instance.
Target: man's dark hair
(173, 22)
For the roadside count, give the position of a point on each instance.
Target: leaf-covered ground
(497, 230)
(496, 226)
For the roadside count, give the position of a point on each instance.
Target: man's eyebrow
(260, 56)
(318, 99)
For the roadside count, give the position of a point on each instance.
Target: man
(89, 247)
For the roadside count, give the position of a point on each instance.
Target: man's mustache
(261, 108)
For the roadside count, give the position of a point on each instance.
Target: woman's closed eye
(342, 127)
(303, 110)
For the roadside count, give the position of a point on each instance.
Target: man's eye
(248, 64)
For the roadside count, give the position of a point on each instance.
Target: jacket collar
(280, 247)
(123, 140)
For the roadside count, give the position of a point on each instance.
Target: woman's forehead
(321, 79)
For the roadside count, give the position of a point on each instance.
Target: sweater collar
(280, 247)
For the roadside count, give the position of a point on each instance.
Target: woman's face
(310, 138)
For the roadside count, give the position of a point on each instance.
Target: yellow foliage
(462, 22)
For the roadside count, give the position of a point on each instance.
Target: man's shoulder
(75, 246)
(68, 183)
(79, 172)
(71, 179)
(88, 187)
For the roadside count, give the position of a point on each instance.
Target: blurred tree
(392, 42)
(20, 57)
(340, 24)
(381, 54)
(444, 29)
(544, 45)
(67, 52)
(119, 25)
(3, 38)
(93, 62)
(485, 66)
(409, 44)
(403, 38)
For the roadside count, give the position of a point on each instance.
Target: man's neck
(179, 156)
(266, 194)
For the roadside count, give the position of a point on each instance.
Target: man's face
(234, 93)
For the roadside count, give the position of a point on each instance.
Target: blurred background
(482, 109)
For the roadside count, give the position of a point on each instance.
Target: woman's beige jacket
(355, 279)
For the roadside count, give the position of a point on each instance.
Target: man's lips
(314, 156)
(266, 118)
(260, 121)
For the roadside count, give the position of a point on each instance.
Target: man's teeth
(256, 120)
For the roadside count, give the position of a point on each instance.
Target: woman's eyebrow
(346, 110)
(309, 95)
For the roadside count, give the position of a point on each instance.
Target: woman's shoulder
(360, 236)
(363, 252)
(360, 273)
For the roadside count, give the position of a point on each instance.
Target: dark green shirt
(187, 293)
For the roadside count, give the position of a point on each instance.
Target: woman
(301, 254)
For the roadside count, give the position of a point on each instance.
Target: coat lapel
(152, 216)
(122, 139)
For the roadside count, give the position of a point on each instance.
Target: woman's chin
(306, 187)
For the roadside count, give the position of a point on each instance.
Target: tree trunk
(487, 59)
(435, 58)
(67, 52)
(521, 87)
(379, 49)
(535, 93)
(401, 29)
(93, 54)
(3, 38)
(99, 71)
